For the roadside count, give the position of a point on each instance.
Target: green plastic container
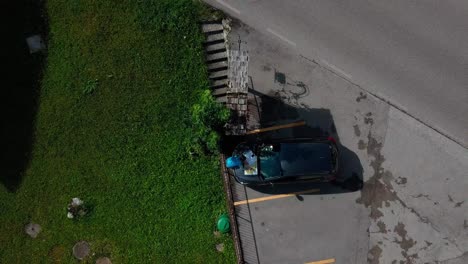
(223, 224)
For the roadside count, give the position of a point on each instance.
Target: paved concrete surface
(413, 206)
(413, 53)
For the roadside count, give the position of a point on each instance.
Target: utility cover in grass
(81, 250)
(103, 260)
(32, 229)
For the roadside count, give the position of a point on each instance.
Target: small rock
(220, 247)
(32, 229)
(57, 254)
(81, 250)
(35, 43)
(103, 260)
(76, 208)
(76, 201)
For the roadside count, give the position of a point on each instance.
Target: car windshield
(270, 164)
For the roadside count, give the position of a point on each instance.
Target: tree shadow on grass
(20, 86)
(319, 123)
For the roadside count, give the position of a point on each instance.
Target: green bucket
(223, 223)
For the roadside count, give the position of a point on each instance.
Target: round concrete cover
(220, 247)
(103, 260)
(32, 229)
(81, 250)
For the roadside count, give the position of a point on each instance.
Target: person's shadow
(20, 87)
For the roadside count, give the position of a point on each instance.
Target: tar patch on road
(357, 131)
(374, 255)
(379, 183)
(405, 243)
(280, 77)
(361, 96)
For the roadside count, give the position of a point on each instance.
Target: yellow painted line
(325, 261)
(273, 197)
(260, 130)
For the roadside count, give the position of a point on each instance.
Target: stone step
(209, 49)
(217, 65)
(214, 37)
(212, 42)
(222, 68)
(220, 31)
(219, 75)
(219, 92)
(218, 84)
(211, 26)
(216, 51)
(216, 57)
(221, 99)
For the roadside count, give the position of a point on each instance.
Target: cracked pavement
(413, 206)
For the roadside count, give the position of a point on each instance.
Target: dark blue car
(286, 160)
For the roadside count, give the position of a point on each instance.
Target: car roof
(298, 158)
(305, 158)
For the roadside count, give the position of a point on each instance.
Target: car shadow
(20, 86)
(272, 111)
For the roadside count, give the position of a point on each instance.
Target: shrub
(90, 86)
(208, 119)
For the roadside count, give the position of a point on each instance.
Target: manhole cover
(103, 260)
(81, 250)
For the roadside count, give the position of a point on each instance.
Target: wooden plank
(260, 130)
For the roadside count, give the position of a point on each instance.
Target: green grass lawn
(113, 128)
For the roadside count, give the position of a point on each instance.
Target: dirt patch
(57, 254)
(361, 96)
(373, 148)
(266, 68)
(374, 255)
(362, 145)
(368, 121)
(406, 242)
(401, 180)
(376, 194)
(377, 191)
(457, 204)
(357, 131)
(382, 227)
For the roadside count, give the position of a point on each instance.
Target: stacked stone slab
(237, 71)
(228, 74)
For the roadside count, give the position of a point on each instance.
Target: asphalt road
(411, 53)
(413, 206)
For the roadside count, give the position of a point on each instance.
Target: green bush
(208, 117)
(90, 86)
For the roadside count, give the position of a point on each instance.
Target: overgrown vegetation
(208, 117)
(123, 98)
